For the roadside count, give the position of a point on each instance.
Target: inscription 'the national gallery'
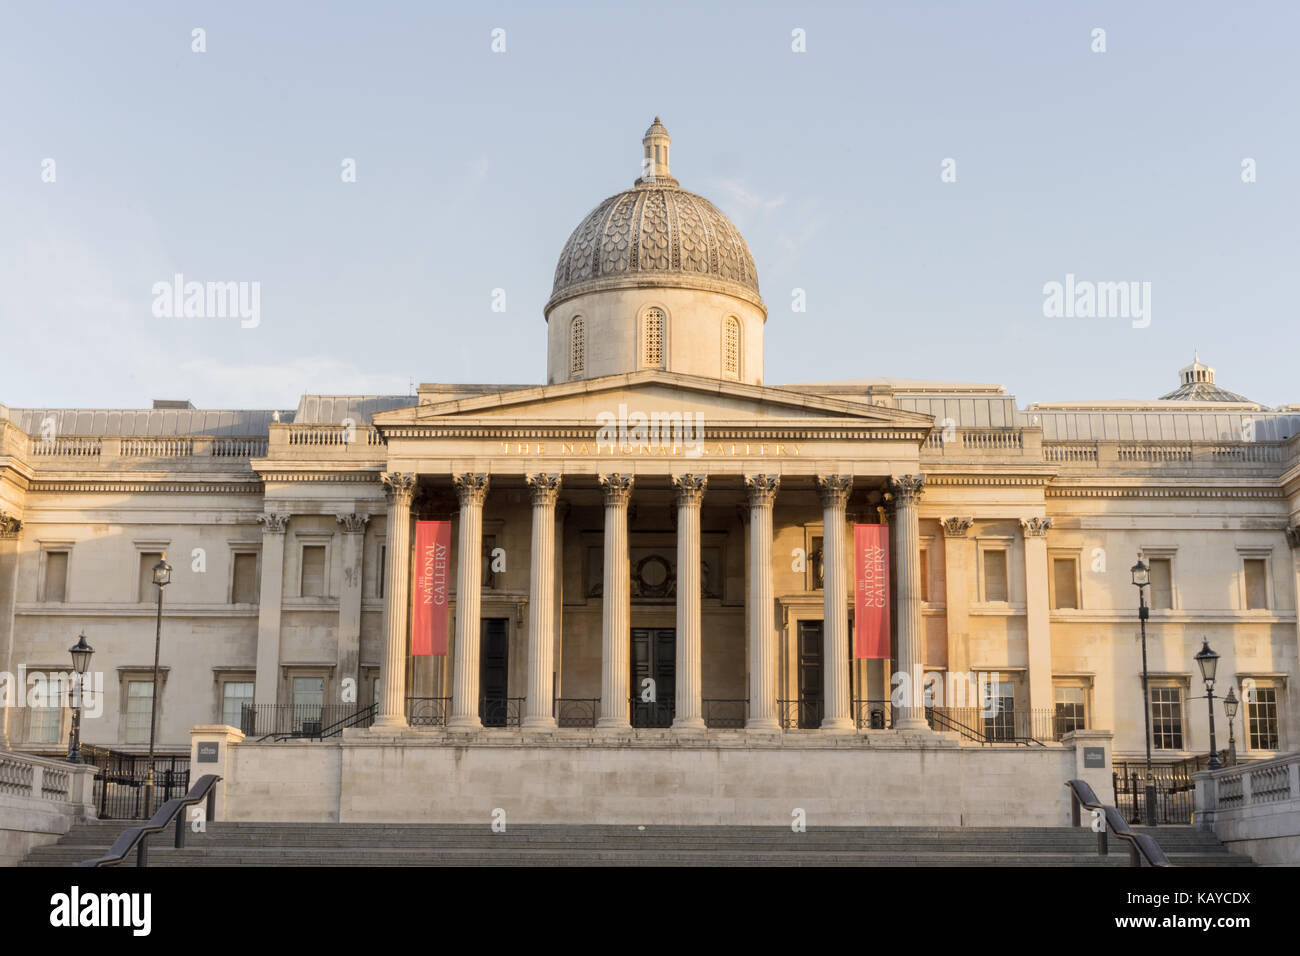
(652, 450)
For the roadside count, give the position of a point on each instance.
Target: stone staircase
(375, 844)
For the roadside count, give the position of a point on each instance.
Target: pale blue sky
(474, 167)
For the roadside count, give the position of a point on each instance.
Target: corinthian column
(400, 488)
(541, 596)
(911, 638)
(268, 607)
(473, 490)
(10, 528)
(762, 609)
(615, 634)
(689, 705)
(834, 491)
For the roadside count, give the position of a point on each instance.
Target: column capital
(353, 523)
(472, 487)
(617, 488)
(689, 489)
(1293, 537)
(399, 486)
(956, 527)
(762, 489)
(545, 488)
(834, 489)
(907, 489)
(1035, 527)
(273, 522)
(10, 527)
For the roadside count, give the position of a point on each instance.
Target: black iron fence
(723, 713)
(653, 713)
(1000, 726)
(308, 721)
(802, 714)
(120, 783)
(872, 714)
(428, 711)
(1173, 784)
(576, 711)
(501, 711)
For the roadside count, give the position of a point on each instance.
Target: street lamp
(81, 653)
(1230, 709)
(162, 576)
(1141, 578)
(1209, 664)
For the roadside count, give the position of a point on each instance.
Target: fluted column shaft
(907, 563)
(762, 623)
(834, 491)
(10, 529)
(270, 596)
(615, 630)
(538, 713)
(472, 489)
(689, 713)
(397, 582)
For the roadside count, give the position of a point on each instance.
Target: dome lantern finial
(654, 158)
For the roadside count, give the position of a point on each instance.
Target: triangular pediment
(653, 392)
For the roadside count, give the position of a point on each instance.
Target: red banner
(871, 591)
(432, 588)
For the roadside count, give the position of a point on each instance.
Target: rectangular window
(1162, 584)
(147, 592)
(995, 575)
(383, 570)
(46, 717)
(1065, 581)
(56, 577)
(1071, 704)
(1262, 713)
(308, 702)
(139, 709)
(1001, 702)
(1167, 718)
(234, 695)
(925, 575)
(313, 570)
(1256, 584)
(244, 585)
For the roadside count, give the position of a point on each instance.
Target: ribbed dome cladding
(655, 231)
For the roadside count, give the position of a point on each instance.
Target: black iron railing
(428, 711)
(725, 713)
(576, 711)
(137, 838)
(1141, 846)
(802, 714)
(653, 713)
(872, 714)
(1003, 726)
(1173, 784)
(501, 711)
(307, 721)
(119, 786)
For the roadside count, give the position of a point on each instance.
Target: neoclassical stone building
(660, 555)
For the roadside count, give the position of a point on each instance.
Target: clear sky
(472, 168)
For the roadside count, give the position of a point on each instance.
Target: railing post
(142, 854)
(180, 828)
(1074, 808)
(1134, 857)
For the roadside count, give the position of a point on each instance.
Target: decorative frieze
(956, 527)
(273, 522)
(1035, 527)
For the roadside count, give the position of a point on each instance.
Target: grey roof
(333, 409)
(1204, 392)
(146, 422)
(1157, 425)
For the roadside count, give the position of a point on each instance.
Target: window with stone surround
(1071, 701)
(1166, 717)
(994, 561)
(45, 715)
(1162, 583)
(1065, 582)
(54, 576)
(1263, 725)
(1255, 582)
(138, 711)
(234, 695)
(146, 590)
(244, 584)
(312, 580)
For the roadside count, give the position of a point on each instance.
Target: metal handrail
(1140, 845)
(161, 820)
(330, 730)
(944, 716)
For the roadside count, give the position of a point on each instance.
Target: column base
(763, 725)
(912, 724)
(616, 724)
(839, 724)
(690, 724)
(463, 723)
(389, 723)
(539, 723)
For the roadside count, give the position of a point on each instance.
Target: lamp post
(81, 653)
(1141, 578)
(1230, 709)
(1209, 664)
(162, 576)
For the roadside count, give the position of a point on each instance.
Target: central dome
(656, 234)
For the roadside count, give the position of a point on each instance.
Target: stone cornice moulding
(270, 475)
(1113, 491)
(122, 486)
(850, 431)
(998, 481)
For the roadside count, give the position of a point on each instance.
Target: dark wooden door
(812, 674)
(654, 655)
(494, 672)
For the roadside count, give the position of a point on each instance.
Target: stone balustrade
(40, 799)
(1253, 808)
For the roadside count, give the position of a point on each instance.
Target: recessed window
(139, 710)
(244, 584)
(1065, 583)
(1162, 584)
(56, 577)
(1262, 714)
(654, 331)
(1071, 709)
(731, 347)
(995, 575)
(46, 714)
(234, 695)
(1167, 718)
(577, 346)
(146, 590)
(1000, 719)
(313, 570)
(308, 703)
(1256, 570)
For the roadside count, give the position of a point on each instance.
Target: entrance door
(812, 686)
(494, 660)
(654, 653)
